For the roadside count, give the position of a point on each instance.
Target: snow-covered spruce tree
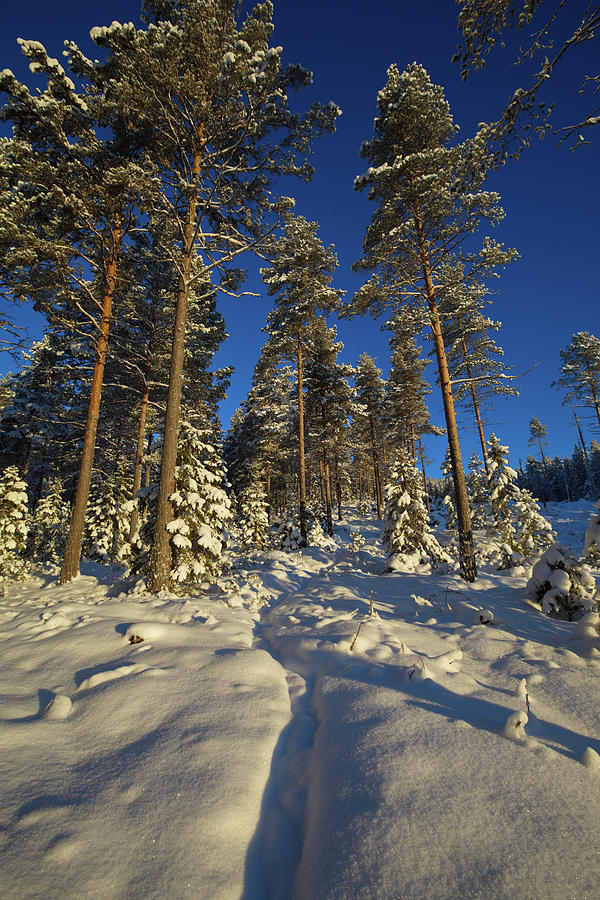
(201, 508)
(299, 278)
(448, 495)
(406, 536)
(49, 527)
(580, 372)
(106, 535)
(534, 533)
(216, 96)
(502, 492)
(478, 486)
(201, 512)
(288, 537)
(562, 584)
(429, 201)
(252, 515)
(14, 525)
(38, 417)
(519, 525)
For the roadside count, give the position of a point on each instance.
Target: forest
(137, 190)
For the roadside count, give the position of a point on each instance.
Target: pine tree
(429, 200)
(72, 195)
(580, 372)
(484, 24)
(406, 534)
(537, 432)
(14, 526)
(48, 533)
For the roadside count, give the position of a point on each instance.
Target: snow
(312, 726)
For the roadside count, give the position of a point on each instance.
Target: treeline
(569, 478)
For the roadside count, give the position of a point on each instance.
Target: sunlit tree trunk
(301, 463)
(468, 567)
(70, 566)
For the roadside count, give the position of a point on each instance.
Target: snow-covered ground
(445, 744)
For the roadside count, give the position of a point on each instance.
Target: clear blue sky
(551, 196)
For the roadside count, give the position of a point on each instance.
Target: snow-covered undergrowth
(310, 727)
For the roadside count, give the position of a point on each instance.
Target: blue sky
(551, 196)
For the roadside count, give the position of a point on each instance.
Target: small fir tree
(201, 509)
(406, 535)
(448, 498)
(478, 487)
(534, 532)
(108, 516)
(288, 536)
(562, 584)
(253, 516)
(503, 490)
(14, 525)
(49, 528)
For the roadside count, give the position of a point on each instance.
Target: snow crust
(365, 734)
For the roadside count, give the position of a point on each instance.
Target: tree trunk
(301, 465)
(268, 489)
(70, 566)
(594, 393)
(422, 457)
(468, 569)
(148, 469)
(583, 447)
(543, 480)
(322, 480)
(139, 455)
(475, 401)
(338, 488)
(160, 557)
(376, 473)
(413, 443)
(327, 485)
